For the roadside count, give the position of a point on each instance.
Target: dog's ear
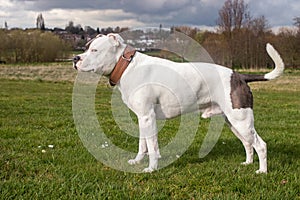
(116, 39)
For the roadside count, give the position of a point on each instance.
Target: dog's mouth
(76, 59)
(82, 69)
(75, 66)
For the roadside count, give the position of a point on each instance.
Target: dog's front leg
(142, 152)
(154, 154)
(148, 141)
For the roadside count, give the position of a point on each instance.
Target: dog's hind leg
(242, 124)
(248, 147)
(261, 148)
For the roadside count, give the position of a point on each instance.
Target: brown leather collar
(122, 65)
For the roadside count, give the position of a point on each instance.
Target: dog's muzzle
(75, 61)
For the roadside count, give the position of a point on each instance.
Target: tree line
(241, 39)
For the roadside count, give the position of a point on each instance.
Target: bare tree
(232, 15)
(288, 41)
(40, 23)
(259, 25)
(6, 25)
(297, 22)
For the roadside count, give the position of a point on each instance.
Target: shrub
(19, 46)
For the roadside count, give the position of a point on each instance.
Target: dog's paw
(246, 163)
(148, 170)
(133, 162)
(261, 171)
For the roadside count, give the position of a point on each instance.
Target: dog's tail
(279, 65)
(277, 72)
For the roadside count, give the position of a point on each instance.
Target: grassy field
(42, 156)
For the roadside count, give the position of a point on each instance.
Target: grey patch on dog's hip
(241, 95)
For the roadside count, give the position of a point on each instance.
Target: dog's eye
(94, 50)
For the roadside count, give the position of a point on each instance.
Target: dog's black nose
(76, 59)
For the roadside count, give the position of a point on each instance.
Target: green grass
(38, 113)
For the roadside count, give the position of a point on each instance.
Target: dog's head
(101, 55)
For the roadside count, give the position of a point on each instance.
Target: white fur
(279, 65)
(155, 88)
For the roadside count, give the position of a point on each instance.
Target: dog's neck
(121, 65)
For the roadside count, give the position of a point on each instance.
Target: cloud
(145, 11)
(277, 12)
(173, 12)
(157, 7)
(94, 18)
(133, 13)
(45, 5)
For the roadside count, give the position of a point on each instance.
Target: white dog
(155, 88)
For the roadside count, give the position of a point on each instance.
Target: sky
(137, 13)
